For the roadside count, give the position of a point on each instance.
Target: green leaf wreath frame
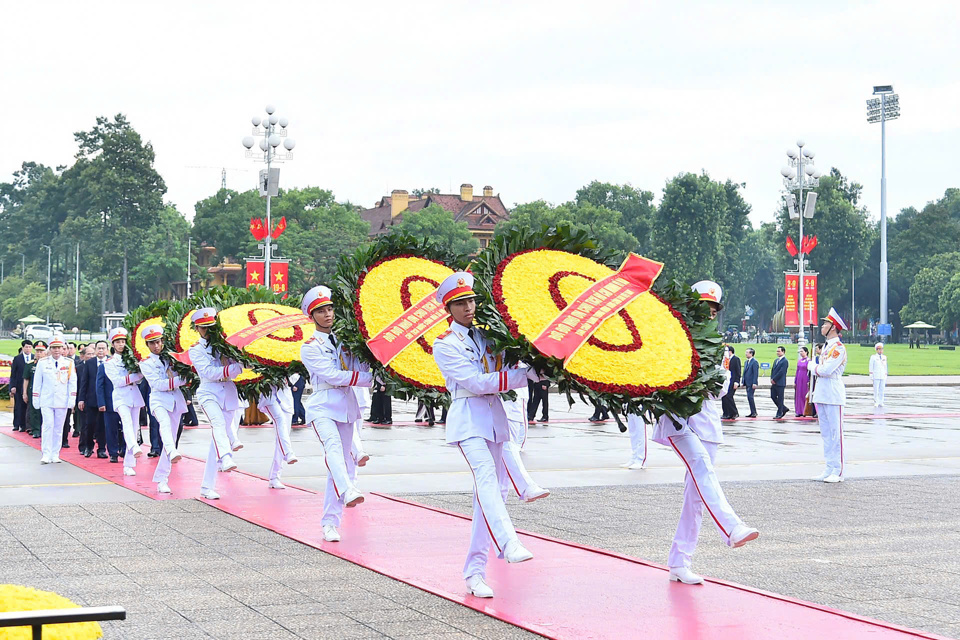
(350, 272)
(133, 323)
(708, 344)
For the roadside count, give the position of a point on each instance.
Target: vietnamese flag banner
(280, 228)
(255, 273)
(278, 277)
(574, 325)
(407, 328)
(810, 316)
(791, 297)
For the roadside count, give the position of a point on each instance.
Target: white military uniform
(637, 428)
(517, 476)
(279, 408)
(217, 395)
(127, 402)
(878, 371)
(477, 425)
(54, 391)
(830, 396)
(167, 404)
(356, 447)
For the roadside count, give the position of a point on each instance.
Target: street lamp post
(189, 257)
(43, 246)
(799, 173)
(886, 107)
(271, 130)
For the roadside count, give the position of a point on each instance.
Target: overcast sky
(533, 98)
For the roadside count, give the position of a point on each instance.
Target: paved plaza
(883, 544)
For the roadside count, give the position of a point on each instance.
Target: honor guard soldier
(518, 477)
(830, 396)
(127, 400)
(217, 395)
(166, 402)
(332, 409)
(477, 425)
(695, 440)
(279, 408)
(54, 391)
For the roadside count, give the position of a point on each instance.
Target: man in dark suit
(751, 378)
(16, 385)
(778, 381)
(87, 402)
(730, 411)
(111, 419)
(299, 413)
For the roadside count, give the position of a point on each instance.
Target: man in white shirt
(830, 396)
(878, 373)
(54, 391)
(166, 402)
(127, 400)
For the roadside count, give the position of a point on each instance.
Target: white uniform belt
(323, 386)
(465, 393)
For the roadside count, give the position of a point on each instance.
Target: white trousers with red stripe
(637, 428)
(281, 426)
(166, 420)
(517, 475)
(356, 448)
(130, 422)
(831, 430)
(340, 466)
(219, 442)
(491, 522)
(51, 431)
(701, 492)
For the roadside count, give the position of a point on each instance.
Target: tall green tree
(927, 289)
(438, 225)
(635, 206)
(603, 224)
(162, 257)
(949, 303)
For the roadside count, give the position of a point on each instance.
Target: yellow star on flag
(255, 276)
(279, 276)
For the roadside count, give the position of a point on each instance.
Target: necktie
(333, 341)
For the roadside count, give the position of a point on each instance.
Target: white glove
(812, 365)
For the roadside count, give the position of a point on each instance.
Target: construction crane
(223, 172)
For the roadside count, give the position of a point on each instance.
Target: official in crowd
(878, 373)
(730, 411)
(217, 395)
(381, 404)
(34, 417)
(695, 440)
(126, 397)
(297, 384)
(778, 381)
(166, 403)
(17, 368)
(477, 425)
(93, 422)
(830, 396)
(539, 392)
(751, 378)
(332, 408)
(54, 391)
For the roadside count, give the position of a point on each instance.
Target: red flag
(813, 244)
(255, 274)
(257, 229)
(280, 228)
(279, 277)
(791, 246)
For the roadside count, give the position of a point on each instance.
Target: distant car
(38, 332)
(56, 326)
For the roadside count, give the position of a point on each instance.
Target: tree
(927, 289)
(437, 224)
(223, 221)
(759, 271)
(635, 206)
(603, 223)
(162, 257)
(118, 187)
(949, 303)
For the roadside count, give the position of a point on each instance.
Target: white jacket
(125, 391)
(164, 385)
(333, 371)
(705, 424)
(833, 360)
(475, 378)
(878, 366)
(216, 377)
(55, 383)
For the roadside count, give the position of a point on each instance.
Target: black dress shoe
(87, 453)
(101, 454)
(153, 454)
(65, 445)
(36, 435)
(387, 422)
(752, 415)
(113, 459)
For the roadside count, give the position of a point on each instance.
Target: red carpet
(566, 591)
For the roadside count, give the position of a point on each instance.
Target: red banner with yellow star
(278, 277)
(255, 273)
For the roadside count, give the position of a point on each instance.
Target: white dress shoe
(163, 487)
(276, 484)
(44, 461)
(741, 535)
(175, 457)
(330, 533)
(291, 459)
(56, 461)
(516, 552)
(820, 478)
(209, 494)
(362, 460)
(137, 452)
(535, 493)
(129, 471)
(352, 498)
(477, 587)
(228, 465)
(832, 478)
(636, 465)
(237, 445)
(684, 575)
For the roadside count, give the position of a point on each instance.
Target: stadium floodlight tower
(886, 107)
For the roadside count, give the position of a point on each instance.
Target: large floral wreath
(657, 355)
(376, 285)
(134, 322)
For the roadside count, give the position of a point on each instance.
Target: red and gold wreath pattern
(280, 347)
(187, 337)
(645, 348)
(140, 349)
(387, 289)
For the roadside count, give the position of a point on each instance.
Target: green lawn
(901, 359)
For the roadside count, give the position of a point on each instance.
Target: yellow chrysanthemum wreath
(15, 597)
